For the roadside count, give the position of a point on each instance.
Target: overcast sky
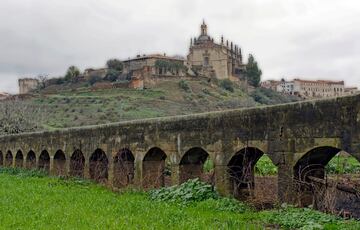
(312, 39)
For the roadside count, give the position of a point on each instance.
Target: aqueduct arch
(241, 171)
(77, 164)
(98, 166)
(19, 159)
(312, 186)
(153, 168)
(8, 159)
(31, 160)
(191, 164)
(313, 163)
(44, 161)
(59, 163)
(124, 168)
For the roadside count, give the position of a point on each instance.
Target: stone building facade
(144, 71)
(26, 85)
(157, 64)
(310, 89)
(223, 61)
(318, 89)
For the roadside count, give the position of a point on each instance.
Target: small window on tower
(206, 61)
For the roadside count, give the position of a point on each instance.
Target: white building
(310, 89)
(285, 87)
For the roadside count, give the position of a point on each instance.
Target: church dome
(204, 37)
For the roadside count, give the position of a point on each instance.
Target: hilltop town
(206, 59)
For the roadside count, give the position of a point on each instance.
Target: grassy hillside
(69, 108)
(29, 200)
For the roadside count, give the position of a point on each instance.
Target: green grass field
(31, 201)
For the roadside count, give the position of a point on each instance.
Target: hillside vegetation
(32, 200)
(84, 106)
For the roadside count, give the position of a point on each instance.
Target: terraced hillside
(84, 106)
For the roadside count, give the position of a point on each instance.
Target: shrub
(265, 167)
(206, 91)
(343, 164)
(191, 191)
(208, 165)
(227, 85)
(184, 85)
(296, 218)
(270, 97)
(94, 79)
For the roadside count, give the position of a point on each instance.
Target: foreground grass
(30, 201)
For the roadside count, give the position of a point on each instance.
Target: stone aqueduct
(300, 138)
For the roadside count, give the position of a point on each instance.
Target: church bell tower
(203, 28)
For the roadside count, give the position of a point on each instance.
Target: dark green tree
(253, 72)
(115, 68)
(115, 64)
(112, 75)
(72, 73)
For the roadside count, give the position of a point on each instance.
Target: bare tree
(19, 116)
(42, 80)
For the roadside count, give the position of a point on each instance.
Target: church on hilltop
(206, 59)
(223, 60)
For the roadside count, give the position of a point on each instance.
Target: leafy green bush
(208, 165)
(227, 85)
(191, 191)
(343, 165)
(301, 218)
(265, 167)
(184, 85)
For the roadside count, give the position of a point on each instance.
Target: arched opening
(123, 168)
(191, 165)
(59, 163)
(31, 160)
(77, 164)
(1, 159)
(265, 191)
(99, 166)
(19, 159)
(8, 159)
(44, 161)
(154, 168)
(241, 172)
(328, 179)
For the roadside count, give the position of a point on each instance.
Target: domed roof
(204, 38)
